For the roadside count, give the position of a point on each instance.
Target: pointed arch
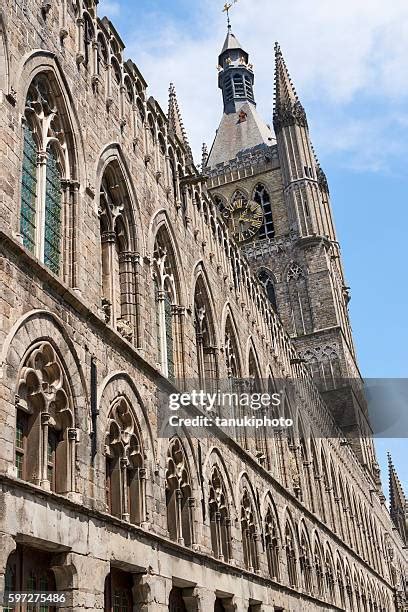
(305, 557)
(298, 293)
(219, 514)
(261, 196)
(249, 516)
(273, 537)
(179, 499)
(205, 332)
(318, 566)
(49, 164)
(291, 549)
(118, 243)
(268, 281)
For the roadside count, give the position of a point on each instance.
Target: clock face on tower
(244, 218)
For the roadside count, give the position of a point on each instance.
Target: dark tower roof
(241, 127)
(231, 42)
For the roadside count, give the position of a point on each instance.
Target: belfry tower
(272, 192)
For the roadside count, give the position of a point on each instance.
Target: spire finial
(227, 7)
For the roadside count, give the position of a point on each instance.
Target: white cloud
(110, 8)
(340, 54)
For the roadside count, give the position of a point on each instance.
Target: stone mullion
(66, 242)
(179, 519)
(109, 238)
(40, 212)
(72, 439)
(80, 56)
(127, 289)
(124, 489)
(142, 477)
(191, 517)
(200, 359)
(179, 362)
(45, 419)
(75, 238)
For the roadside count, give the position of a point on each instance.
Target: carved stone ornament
(287, 114)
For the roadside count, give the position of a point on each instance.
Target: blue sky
(349, 64)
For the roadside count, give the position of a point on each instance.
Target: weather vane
(227, 8)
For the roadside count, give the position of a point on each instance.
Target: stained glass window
(169, 335)
(29, 190)
(52, 238)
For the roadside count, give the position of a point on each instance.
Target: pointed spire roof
(397, 495)
(284, 88)
(398, 502)
(176, 126)
(231, 42)
(288, 109)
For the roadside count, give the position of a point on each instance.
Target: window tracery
(44, 436)
(125, 470)
(166, 305)
(261, 195)
(220, 522)
(272, 544)
(118, 261)
(249, 533)
(179, 501)
(45, 168)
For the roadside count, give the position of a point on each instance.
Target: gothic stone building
(125, 269)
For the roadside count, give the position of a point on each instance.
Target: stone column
(82, 579)
(7, 546)
(151, 593)
(199, 600)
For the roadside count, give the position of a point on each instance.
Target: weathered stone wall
(66, 311)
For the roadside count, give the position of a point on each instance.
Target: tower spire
(176, 126)
(287, 108)
(398, 502)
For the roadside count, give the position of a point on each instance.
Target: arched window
(165, 300)
(45, 165)
(220, 522)
(179, 500)
(301, 314)
(30, 569)
(272, 544)
(341, 585)
(118, 273)
(125, 471)
(319, 571)
(291, 561)
(261, 196)
(265, 277)
(330, 576)
(305, 562)
(44, 436)
(89, 35)
(255, 387)
(101, 55)
(117, 72)
(118, 591)
(205, 341)
(249, 533)
(233, 367)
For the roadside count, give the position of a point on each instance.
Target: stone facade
(93, 502)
